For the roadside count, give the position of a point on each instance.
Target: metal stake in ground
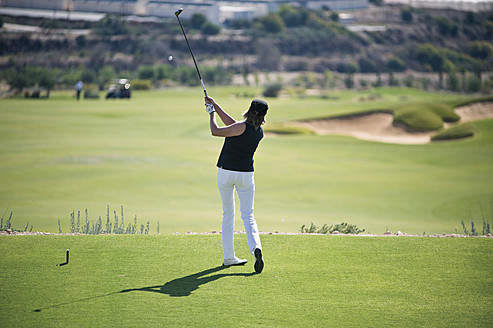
(66, 259)
(177, 13)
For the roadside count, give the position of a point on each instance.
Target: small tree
(367, 65)
(349, 81)
(81, 41)
(393, 81)
(407, 15)
(429, 54)
(197, 21)
(46, 80)
(210, 29)
(293, 16)
(89, 76)
(481, 49)
(453, 81)
(106, 74)
(473, 83)
(272, 90)
(446, 26)
(395, 64)
(16, 80)
(272, 23)
(146, 72)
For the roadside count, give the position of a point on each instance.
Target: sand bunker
(378, 126)
(478, 111)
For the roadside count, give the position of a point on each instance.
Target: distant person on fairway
(235, 171)
(78, 88)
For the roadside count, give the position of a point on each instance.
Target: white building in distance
(462, 5)
(216, 11)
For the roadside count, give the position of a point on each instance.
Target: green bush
(343, 228)
(272, 90)
(444, 111)
(440, 59)
(419, 120)
(395, 64)
(456, 132)
(453, 81)
(293, 16)
(272, 23)
(91, 94)
(426, 116)
(480, 49)
(141, 84)
(210, 29)
(473, 83)
(446, 26)
(197, 21)
(146, 72)
(349, 81)
(367, 65)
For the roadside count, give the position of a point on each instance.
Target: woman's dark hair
(255, 115)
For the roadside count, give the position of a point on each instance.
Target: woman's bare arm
(232, 130)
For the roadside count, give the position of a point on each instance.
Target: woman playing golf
(235, 171)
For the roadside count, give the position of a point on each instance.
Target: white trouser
(244, 183)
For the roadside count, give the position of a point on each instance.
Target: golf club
(177, 13)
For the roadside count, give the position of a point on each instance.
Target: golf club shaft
(193, 57)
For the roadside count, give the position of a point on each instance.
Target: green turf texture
(308, 281)
(155, 156)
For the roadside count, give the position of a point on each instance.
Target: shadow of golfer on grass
(177, 288)
(186, 285)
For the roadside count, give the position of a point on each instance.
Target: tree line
(291, 39)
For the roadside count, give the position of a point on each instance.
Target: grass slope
(154, 155)
(308, 281)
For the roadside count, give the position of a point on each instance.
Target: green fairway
(308, 281)
(154, 155)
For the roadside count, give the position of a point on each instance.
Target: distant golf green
(154, 155)
(308, 281)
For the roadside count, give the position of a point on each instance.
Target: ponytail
(255, 115)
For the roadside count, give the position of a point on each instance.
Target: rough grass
(308, 281)
(469, 101)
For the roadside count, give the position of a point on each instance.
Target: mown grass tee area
(155, 156)
(308, 281)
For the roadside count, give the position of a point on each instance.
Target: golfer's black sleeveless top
(237, 152)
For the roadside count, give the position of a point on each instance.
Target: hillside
(379, 40)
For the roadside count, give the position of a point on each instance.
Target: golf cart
(119, 89)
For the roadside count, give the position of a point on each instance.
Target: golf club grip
(203, 86)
